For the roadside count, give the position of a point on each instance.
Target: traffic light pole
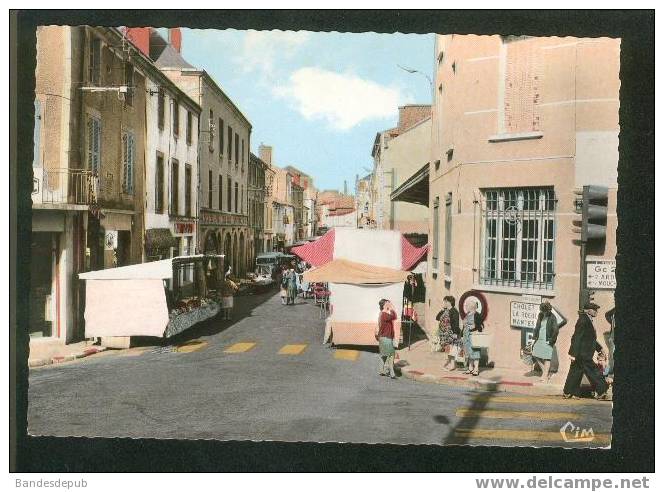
(582, 276)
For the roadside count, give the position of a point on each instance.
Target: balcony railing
(64, 186)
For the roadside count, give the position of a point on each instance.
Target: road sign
(524, 315)
(601, 274)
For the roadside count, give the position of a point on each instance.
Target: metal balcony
(64, 186)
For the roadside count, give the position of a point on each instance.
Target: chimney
(175, 38)
(140, 37)
(265, 154)
(412, 114)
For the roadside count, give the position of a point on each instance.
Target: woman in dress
(544, 339)
(472, 323)
(227, 292)
(283, 284)
(448, 331)
(291, 286)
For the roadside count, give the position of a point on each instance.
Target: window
(220, 191)
(436, 232)
(519, 237)
(209, 189)
(94, 62)
(242, 199)
(236, 196)
(230, 145)
(229, 195)
(94, 144)
(161, 102)
(237, 149)
(448, 235)
(128, 156)
(220, 131)
(175, 191)
(129, 82)
(211, 130)
(176, 118)
(159, 185)
(187, 190)
(190, 127)
(242, 155)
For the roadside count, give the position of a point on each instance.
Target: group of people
(455, 339)
(289, 281)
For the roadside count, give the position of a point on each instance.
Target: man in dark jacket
(582, 349)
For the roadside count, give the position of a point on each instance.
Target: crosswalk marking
(527, 400)
(191, 346)
(345, 354)
(294, 349)
(523, 435)
(240, 347)
(514, 414)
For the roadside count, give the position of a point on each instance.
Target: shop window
(128, 158)
(519, 236)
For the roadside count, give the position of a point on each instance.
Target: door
(42, 295)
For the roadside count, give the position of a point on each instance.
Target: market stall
(159, 298)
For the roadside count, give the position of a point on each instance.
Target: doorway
(43, 295)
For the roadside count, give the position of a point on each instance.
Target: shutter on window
(124, 163)
(130, 167)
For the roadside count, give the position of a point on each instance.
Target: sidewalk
(47, 351)
(420, 364)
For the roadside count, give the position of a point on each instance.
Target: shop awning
(160, 239)
(350, 272)
(415, 189)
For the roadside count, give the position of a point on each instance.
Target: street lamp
(412, 70)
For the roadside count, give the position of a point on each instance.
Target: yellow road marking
(292, 349)
(526, 400)
(191, 346)
(513, 414)
(524, 435)
(236, 348)
(345, 354)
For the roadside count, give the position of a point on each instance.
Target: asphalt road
(228, 380)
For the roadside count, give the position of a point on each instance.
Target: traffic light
(593, 208)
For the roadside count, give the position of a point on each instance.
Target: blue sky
(317, 98)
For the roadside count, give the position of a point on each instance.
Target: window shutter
(130, 168)
(124, 162)
(36, 158)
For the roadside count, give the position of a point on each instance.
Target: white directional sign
(601, 274)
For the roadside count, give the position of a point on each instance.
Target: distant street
(267, 376)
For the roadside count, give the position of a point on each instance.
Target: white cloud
(343, 100)
(261, 49)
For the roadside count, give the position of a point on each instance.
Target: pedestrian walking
(283, 284)
(582, 349)
(544, 340)
(227, 292)
(472, 323)
(608, 336)
(291, 286)
(448, 332)
(385, 336)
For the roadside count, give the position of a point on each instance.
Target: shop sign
(184, 227)
(601, 274)
(111, 240)
(524, 315)
(531, 299)
(223, 219)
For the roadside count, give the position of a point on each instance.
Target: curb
(478, 383)
(58, 359)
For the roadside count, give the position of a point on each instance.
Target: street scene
(327, 237)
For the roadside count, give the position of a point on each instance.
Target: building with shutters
(223, 150)
(518, 124)
(88, 167)
(257, 201)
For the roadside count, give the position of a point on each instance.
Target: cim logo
(574, 433)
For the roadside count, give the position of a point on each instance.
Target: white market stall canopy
(350, 272)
